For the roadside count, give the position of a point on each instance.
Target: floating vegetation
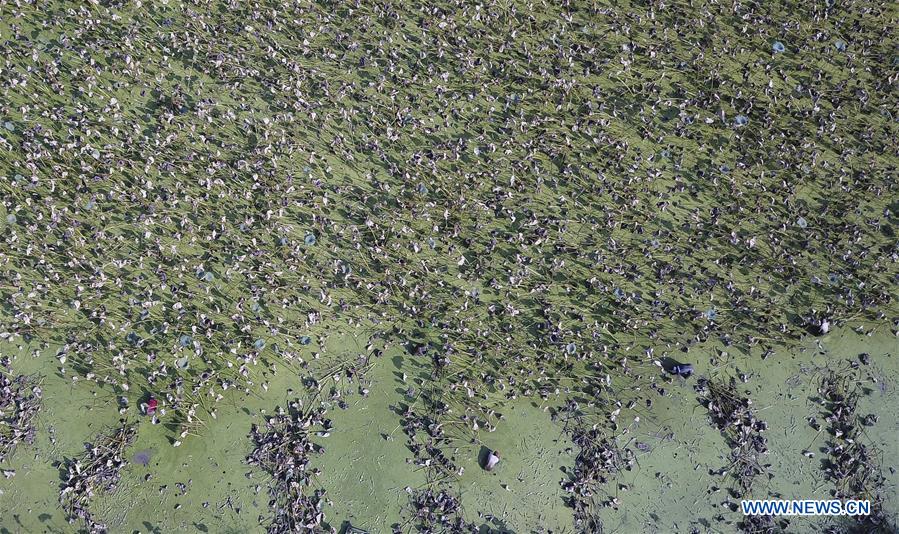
(761, 524)
(20, 402)
(98, 469)
(732, 414)
(282, 448)
(426, 436)
(851, 465)
(203, 156)
(530, 210)
(598, 461)
(438, 510)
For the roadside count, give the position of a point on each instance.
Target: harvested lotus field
(447, 267)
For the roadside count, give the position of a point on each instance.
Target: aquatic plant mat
(403, 238)
(97, 470)
(20, 401)
(282, 449)
(732, 415)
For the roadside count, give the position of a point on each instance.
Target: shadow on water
(483, 454)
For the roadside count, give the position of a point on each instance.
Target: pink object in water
(492, 460)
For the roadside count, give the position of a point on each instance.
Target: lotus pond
(446, 267)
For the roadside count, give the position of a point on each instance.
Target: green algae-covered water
(671, 487)
(390, 238)
(365, 456)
